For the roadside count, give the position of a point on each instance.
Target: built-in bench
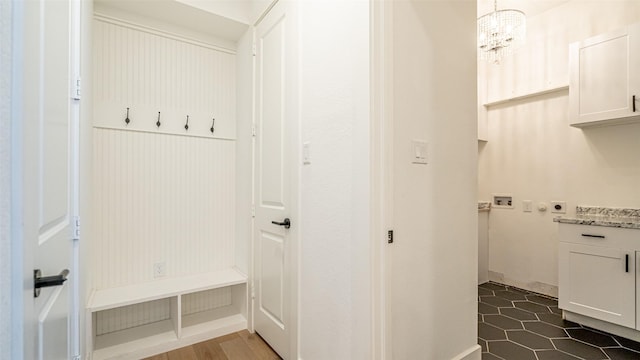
(177, 331)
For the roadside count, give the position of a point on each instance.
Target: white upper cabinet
(604, 79)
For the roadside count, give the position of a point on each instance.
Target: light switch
(420, 152)
(306, 156)
(527, 205)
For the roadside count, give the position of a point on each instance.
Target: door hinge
(75, 93)
(253, 292)
(75, 228)
(253, 130)
(253, 49)
(390, 237)
(253, 211)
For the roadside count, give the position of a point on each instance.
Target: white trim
(381, 171)
(17, 234)
(264, 13)
(6, 60)
(530, 95)
(472, 353)
(115, 21)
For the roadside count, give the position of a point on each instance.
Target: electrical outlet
(558, 207)
(159, 269)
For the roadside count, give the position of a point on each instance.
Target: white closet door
(273, 169)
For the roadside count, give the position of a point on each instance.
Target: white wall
(5, 179)
(434, 257)
(533, 154)
(334, 284)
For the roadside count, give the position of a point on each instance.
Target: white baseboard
(472, 353)
(535, 286)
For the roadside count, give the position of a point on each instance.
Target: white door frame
(381, 42)
(5, 174)
(17, 253)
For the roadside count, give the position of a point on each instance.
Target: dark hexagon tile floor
(515, 324)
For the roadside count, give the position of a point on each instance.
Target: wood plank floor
(236, 346)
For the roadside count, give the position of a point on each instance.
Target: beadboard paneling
(205, 300)
(125, 317)
(161, 198)
(150, 73)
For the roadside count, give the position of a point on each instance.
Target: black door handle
(286, 223)
(46, 281)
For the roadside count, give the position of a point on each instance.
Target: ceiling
(529, 7)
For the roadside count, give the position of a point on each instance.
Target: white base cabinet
(590, 275)
(597, 273)
(604, 79)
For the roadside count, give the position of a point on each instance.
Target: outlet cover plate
(559, 207)
(159, 269)
(502, 201)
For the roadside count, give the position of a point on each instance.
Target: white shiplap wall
(111, 320)
(205, 300)
(148, 72)
(160, 197)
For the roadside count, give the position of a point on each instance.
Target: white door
(45, 148)
(273, 178)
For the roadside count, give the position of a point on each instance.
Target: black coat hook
(186, 126)
(212, 123)
(158, 122)
(127, 121)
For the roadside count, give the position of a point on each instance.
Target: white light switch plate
(419, 152)
(306, 153)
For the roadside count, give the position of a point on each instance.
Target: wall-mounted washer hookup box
(504, 201)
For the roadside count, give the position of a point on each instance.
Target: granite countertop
(484, 205)
(602, 216)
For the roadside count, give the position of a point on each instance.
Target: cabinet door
(637, 290)
(598, 282)
(604, 78)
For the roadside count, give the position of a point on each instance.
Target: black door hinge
(390, 237)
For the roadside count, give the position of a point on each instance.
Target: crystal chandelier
(500, 33)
